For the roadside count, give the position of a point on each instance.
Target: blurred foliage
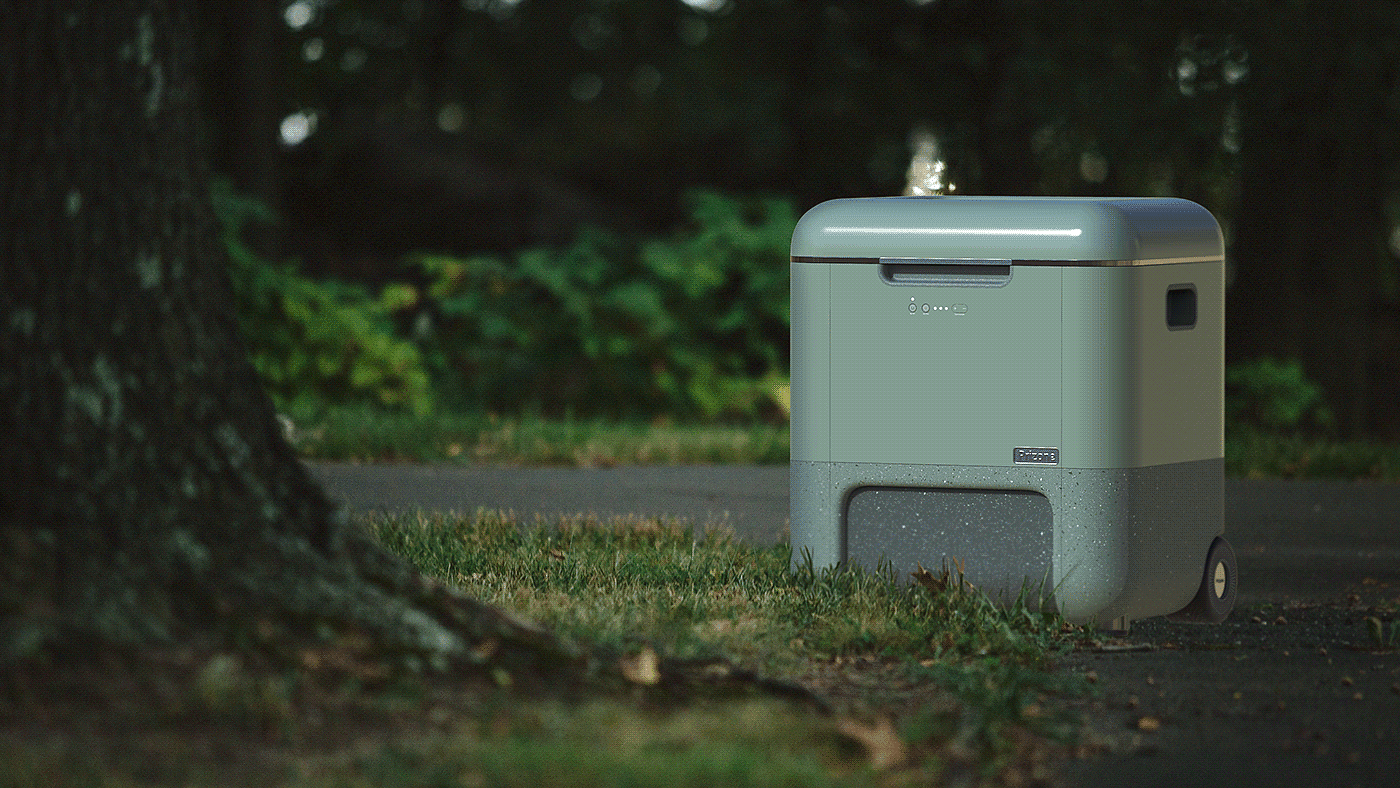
(1255, 454)
(490, 126)
(316, 343)
(362, 434)
(1273, 395)
(693, 325)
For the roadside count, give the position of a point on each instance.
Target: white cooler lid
(1124, 230)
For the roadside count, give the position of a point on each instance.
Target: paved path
(1289, 691)
(753, 500)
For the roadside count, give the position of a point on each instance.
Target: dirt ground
(1292, 694)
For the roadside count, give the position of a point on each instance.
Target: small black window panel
(1181, 307)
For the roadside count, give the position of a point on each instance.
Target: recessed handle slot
(946, 273)
(1181, 307)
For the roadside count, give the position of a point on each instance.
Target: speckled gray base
(909, 526)
(1125, 543)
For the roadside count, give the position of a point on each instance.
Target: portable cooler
(1028, 388)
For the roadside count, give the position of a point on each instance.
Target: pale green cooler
(1029, 388)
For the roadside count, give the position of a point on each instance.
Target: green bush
(1269, 395)
(693, 325)
(317, 343)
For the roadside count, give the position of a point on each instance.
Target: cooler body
(1029, 389)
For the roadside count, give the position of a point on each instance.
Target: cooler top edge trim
(974, 260)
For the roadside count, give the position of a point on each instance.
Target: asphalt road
(1291, 690)
(752, 500)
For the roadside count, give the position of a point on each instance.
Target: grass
(866, 681)
(363, 435)
(548, 744)
(921, 681)
(696, 594)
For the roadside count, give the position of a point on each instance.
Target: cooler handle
(945, 273)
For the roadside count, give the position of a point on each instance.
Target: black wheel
(1219, 586)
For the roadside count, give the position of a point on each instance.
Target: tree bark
(148, 492)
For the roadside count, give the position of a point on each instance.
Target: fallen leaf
(1148, 724)
(925, 578)
(1123, 647)
(641, 668)
(482, 652)
(1375, 629)
(881, 742)
(953, 575)
(726, 626)
(717, 671)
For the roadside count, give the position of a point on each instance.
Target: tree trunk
(148, 491)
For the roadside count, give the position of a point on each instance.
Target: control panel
(916, 308)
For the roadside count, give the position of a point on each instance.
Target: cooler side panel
(810, 291)
(1137, 391)
(1174, 513)
(815, 519)
(1099, 379)
(1181, 375)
